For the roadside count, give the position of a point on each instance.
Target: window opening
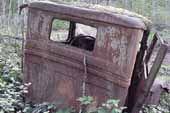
(60, 30)
(74, 34)
(85, 37)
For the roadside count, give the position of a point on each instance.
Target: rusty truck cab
(58, 60)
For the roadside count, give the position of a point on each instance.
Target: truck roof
(103, 14)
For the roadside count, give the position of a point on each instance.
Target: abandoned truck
(72, 51)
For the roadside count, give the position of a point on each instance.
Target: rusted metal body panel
(96, 15)
(56, 70)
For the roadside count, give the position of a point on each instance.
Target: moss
(107, 9)
(122, 12)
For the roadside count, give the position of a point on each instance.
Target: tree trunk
(1, 7)
(154, 10)
(128, 4)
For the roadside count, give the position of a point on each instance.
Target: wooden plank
(151, 48)
(152, 75)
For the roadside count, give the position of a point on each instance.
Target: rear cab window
(74, 34)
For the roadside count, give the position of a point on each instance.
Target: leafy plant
(39, 108)
(11, 96)
(60, 24)
(154, 109)
(11, 88)
(165, 101)
(85, 100)
(110, 106)
(46, 108)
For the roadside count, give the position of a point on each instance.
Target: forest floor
(167, 58)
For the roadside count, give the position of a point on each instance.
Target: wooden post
(152, 75)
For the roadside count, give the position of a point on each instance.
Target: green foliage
(11, 88)
(165, 101)
(85, 100)
(150, 37)
(165, 34)
(110, 106)
(154, 109)
(11, 96)
(13, 6)
(60, 25)
(10, 60)
(39, 108)
(162, 107)
(165, 71)
(46, 108)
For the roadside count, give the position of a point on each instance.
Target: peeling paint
(56, 70)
